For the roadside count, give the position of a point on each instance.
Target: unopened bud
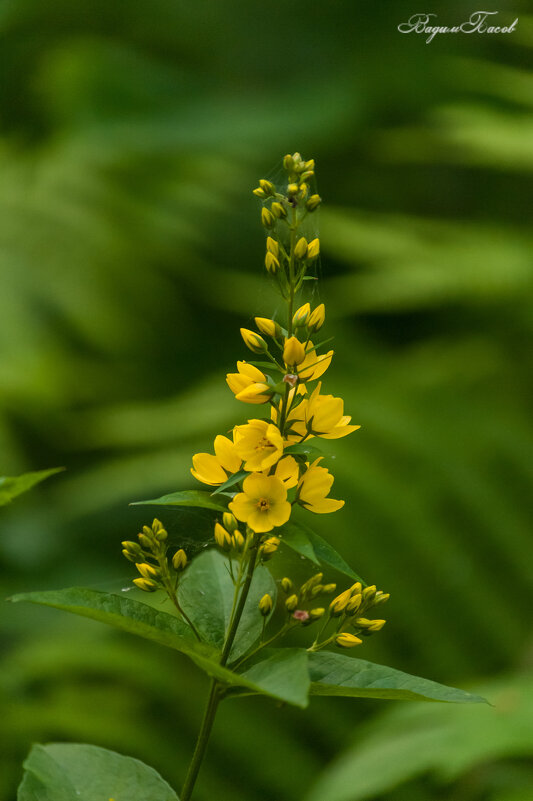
(259, 193)
(313, 202)
(133, 557)
(330, 588)
(266, 186)
(291, 603)
(318, 590)
(238, 540)
(309, 165)
(271, 263)
(301, 248)
(254, 341)
(381, 597)
(338, 604)
(314, 249)
(307, 175)
(269, 547)
(145, 541)
(148, 571)
(293, 351)
(316, 319)
(222, 537)
(272, 246)
(268, 327)
(286, 584)
(179, 560)
(346, 640)
(353, 604)
(292, 189)
(145, 584)
(229, 521)
(288, 162)
(278, 210)
(267, 218)
(316, 614)
(300, 315)
(265, 605)
(369, 593)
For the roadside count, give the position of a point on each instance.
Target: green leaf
(282, 673)
(75, 772)
(206, 596)
(303, 448)
(304, 541)
(338, 674)
(10, 487)
(232, 480)
(197, 498)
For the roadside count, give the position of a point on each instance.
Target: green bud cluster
(149, 555)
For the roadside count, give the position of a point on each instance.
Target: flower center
(263, 444)
(263, 505)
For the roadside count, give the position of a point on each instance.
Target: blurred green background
(131, 252)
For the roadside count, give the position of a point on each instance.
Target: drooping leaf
(232, 480)
(339, 674)
(303, 448)
(306, 542)
(206, 595)
(11, 487)
(195, 498)
(76, 772)
(282, 672)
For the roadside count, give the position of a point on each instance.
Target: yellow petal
(287, 471)
(207, 469)
(226, 454)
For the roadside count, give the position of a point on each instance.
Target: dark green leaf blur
(131, 251)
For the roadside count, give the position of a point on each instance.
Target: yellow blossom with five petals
(314, 366)
(324, 416)
(262, 504)
(259, 444)
(313, 488)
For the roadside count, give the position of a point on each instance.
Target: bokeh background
(131, 252)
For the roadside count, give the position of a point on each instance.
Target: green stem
(214, 692)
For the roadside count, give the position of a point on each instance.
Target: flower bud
(291, 603)
(267, 218)
(288, 162)
(369, 593)
(266, 186)
(346, 640)
(268, 327)
(312, 583)
(292, 189)
(353, 604)
(179, 560)
(222, 537)
(278, 210)
(229, 521)
(318, 590)
(313, 202)
(315, 321)
(307, 175)
(314, 249)
(145, 541)
(376, 625)
(293, 352)
(133, 557)
(271, 263)
(316, 614)
(269, 548)
(148, 571)
(286, 584)
(309, 165)
(265, 605)
(300, 315)
(330, 588)
(338, 604)
(237, 540)
(381, 597)
(301, 248)
(272, 246)
(145, 584)
(259, 193)
(253, 341)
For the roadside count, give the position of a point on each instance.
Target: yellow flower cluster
(264, 464)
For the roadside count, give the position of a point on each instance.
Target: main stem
(214, 696)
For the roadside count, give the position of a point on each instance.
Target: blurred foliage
(131, 252)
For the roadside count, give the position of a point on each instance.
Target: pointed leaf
(10, 487)
(338, 674)
(304, 541)
(75, 772)
(296, 538)
(232, 480)
(282, 673)
(206, 596)
(197, 498)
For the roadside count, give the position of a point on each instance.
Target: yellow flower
(300, 249)
(259, 444)
(293, 352)
(214, 470)
(249, 384)
(316, 318)
(324, 416)
(296, 430)
(314, 249)
(313, 488)
(262, 504)
(287, 471)
(254, 341)
(314, 366)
